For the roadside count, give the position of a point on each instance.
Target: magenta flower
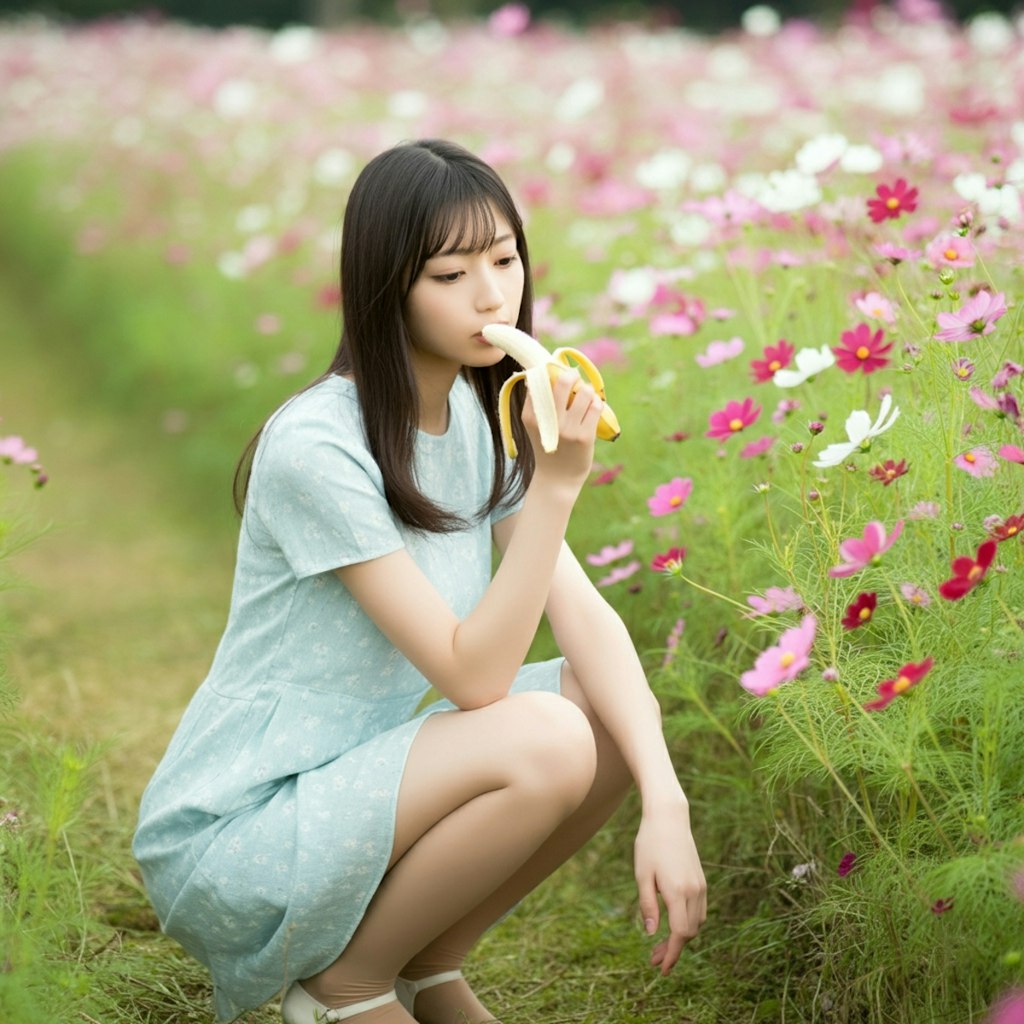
(13, 449)
(861, 349)
(1012, 453)
(603, 350)
(978, 462)
(607, 476)
(758, 447)
(1009, 1009)
(667, 498)
(666, 561)
(860, 552)
(974, 319)
(783, 662)
(736, 416)
(915, 595)
(890, 202)
(876, 306)
(611, 553)
(847, 863)
(895, 254)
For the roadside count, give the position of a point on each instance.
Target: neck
(433, 384)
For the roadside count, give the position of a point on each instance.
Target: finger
(563, 388)
(649, 912)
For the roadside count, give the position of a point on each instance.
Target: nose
(489, 295)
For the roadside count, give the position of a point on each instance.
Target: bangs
(464, 226)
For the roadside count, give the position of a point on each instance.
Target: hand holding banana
(540, 371)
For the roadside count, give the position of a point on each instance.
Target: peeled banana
(540, 371)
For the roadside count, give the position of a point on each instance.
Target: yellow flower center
(736, 424)
(916, 599)
(970, 457)
(787, 659)
(890, 474)
(951, 254)
(863, 352)
(675, 501)
(1011, 530)
(962, 371)
(901, 684)
(975, 572)
(774, 365)
(892, 202)
(864, 614)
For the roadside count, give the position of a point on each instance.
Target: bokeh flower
(607, 476)
(968, 572)
(1007, 529)
(858, 553)
(915, 595)
(977, 461)
(891, 201)
(784, 661)
(950, 251)
(670, 497)
(611, 553)
(668, 560)
(809, 363)
(846, 864)
(886, 472)
(860, 349)
(775, 358)
(860, 612)
(775, 600)
(736, 416)
(876, 306)
(1012, 453)
(719, 352)
(619, 573)
(758, 447)
(906, 679)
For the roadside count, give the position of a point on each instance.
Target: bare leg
(454, 1002)
(481, 792)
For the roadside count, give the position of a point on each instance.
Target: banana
(540, 371)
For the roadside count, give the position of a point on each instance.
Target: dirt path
(122, 600)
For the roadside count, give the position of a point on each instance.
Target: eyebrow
(470, 252)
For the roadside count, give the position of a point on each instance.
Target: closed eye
(448, 278)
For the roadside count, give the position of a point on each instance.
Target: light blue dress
(268, 824)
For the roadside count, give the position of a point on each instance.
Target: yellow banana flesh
(540, 371)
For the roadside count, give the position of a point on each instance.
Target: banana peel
(540, 371)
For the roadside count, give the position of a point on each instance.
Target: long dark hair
(404, 206)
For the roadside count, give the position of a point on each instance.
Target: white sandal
(407, 990)
(299, 1007)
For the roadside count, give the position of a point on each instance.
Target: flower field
(796, 254)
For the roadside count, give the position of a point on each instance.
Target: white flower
(784, 191)
(761, 20)
(581, 98)
(999, 201)
(820, 153)
(809, 361)
(860, 430)
(861, 159)
(665, 169)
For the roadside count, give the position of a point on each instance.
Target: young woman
(310, 829)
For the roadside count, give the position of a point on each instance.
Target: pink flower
(611, 553)
(975, 318)
(619, 573)
(1009, 1009)
(672, 642)
(603, 350)
(13, 449)
(861, 350)
(895, 254)
(509, 20)
(1012, 453)
(668, 560)
(950, 251)
(606, 476)
(876, 306)
(968, 572)
(860, 552)
(783, 662)
(776, 599)
(667, 498)
(906, 679)
(978, 462)
(736, 416)
(758, 447)
(846, 864)
(719, 352)
(925, 510)
(914, 595)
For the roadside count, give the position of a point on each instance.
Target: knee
(556, 752)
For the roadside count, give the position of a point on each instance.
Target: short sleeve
(318, 492)
(507, 506)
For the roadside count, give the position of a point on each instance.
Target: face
(456, 295)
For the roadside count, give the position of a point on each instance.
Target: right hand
(578, 414)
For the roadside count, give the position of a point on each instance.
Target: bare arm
(594, 640)
(474, 661)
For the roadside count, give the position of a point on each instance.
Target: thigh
(459, 755)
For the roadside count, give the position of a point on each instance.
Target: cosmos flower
(846, 864)
(670, 497)
(611, 553)
(1012, 453)
(892, 201)
(736, 416)
(719, 352)
(888, 471)
(858, 553)
(859, 349)
(978, 462)
(860, 431)
(860, 612)
(950, 251)
(809, 363)
(906, 679)
(758, 447)
(974, 319)
(968, 572)
(776, 599)
(915, 595)
(876, 306)
(784, 661)
(619, 573)
(1007, 529)
(667, 560)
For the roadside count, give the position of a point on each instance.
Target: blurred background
(698, 16)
